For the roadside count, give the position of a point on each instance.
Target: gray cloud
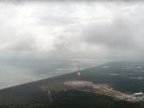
(114, 35)
(23, 45)
(75, 29)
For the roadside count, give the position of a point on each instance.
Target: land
(105, 90)
(35, 94)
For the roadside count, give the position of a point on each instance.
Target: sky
(97, 30)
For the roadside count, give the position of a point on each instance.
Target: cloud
(113, 35)
(22, 45)
(72, 29)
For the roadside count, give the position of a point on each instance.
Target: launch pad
(79, 83)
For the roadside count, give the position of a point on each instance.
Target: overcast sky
(112, 30)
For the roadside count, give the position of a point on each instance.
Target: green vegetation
(78, 99)
(31, 95)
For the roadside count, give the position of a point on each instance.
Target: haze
(35, 32)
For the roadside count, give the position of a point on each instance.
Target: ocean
(18, 71)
